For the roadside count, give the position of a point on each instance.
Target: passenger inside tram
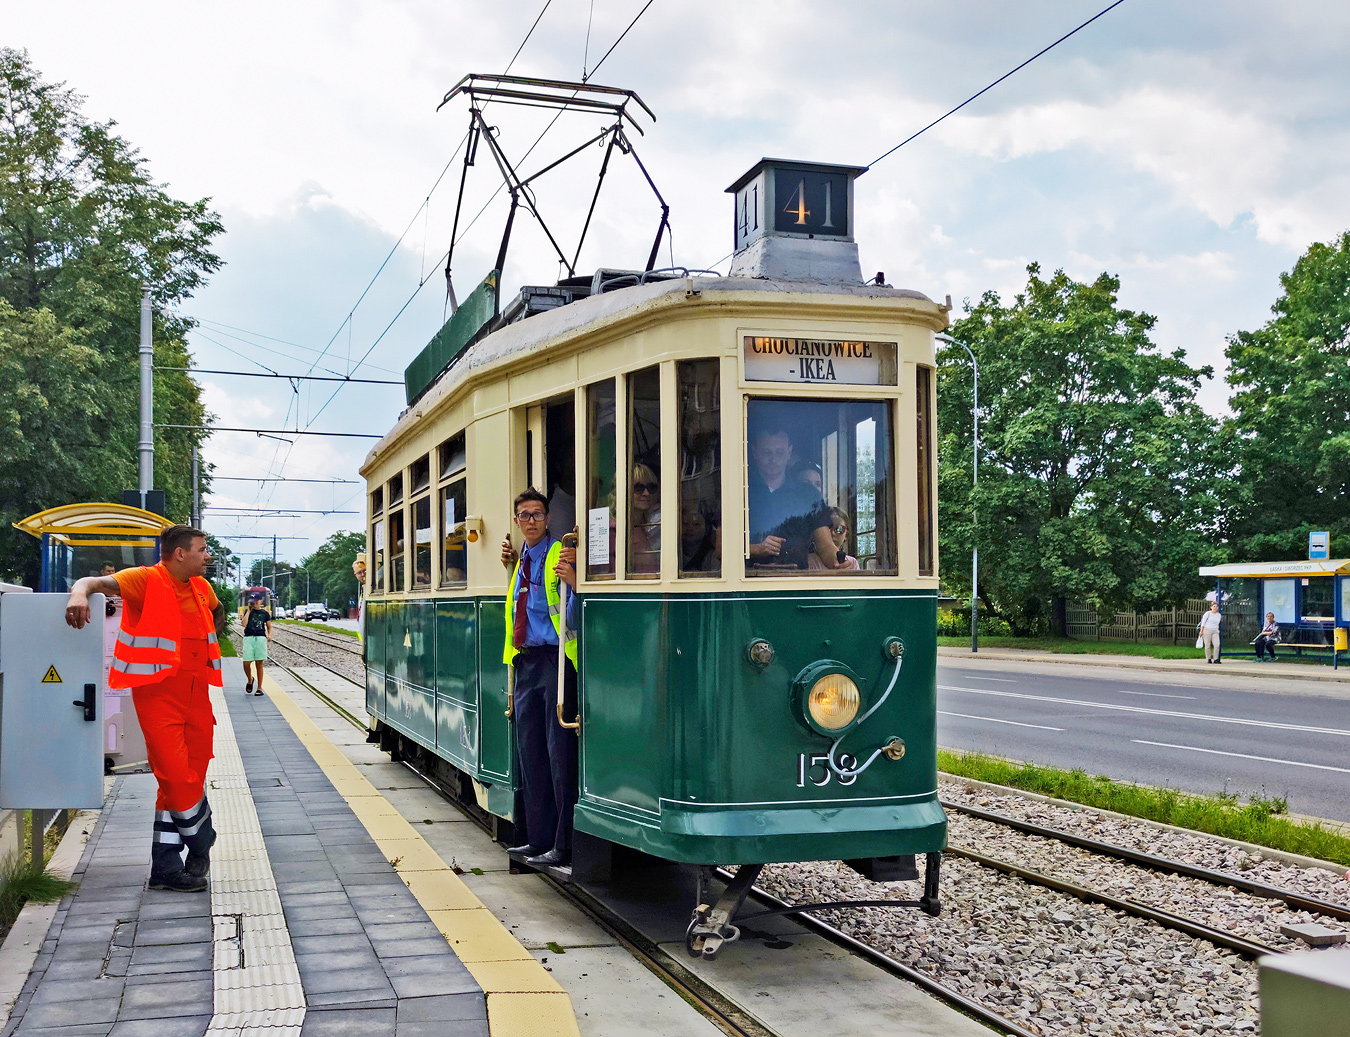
(784, 512)
(839, 533)
(645, 545)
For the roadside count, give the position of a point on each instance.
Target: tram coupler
(711, 927)
(930, 903)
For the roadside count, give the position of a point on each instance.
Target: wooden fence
(1162, 626)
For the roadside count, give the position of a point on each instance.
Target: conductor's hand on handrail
(566, 567)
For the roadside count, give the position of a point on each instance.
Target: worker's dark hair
(530, 494)
(177, 536)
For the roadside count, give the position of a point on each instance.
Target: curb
(1295, 859)
(1124, 663)
(24, 941)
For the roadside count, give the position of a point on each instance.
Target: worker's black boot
(198, 835)
(167, 871)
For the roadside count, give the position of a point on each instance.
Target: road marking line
(1001, 680)
(995, 720)
(1245, 756)
(1155, 695)
(1152, 712)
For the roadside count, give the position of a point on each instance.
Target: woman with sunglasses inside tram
(645, 521)
(835, 555)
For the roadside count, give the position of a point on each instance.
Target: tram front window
(820, 488)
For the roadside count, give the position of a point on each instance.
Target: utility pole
(274, 566)
(147, 444)
(974, 484)
(196, 498)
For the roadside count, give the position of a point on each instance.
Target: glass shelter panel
(644, 471)
(700, 467)
(1319, 597)
(421, 510)
(1279, 599)
(820, 490)
(454, 556)
(601, 501)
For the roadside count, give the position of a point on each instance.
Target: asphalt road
(1201, 734)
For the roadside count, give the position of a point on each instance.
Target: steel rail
(886, 963)
(1301, 901)
(1218, 937)
(309, 635)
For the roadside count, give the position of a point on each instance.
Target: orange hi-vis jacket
(149, 653)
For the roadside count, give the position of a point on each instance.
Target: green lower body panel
(774, 835)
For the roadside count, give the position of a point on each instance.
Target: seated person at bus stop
(547, 750)
(787, 516)
(1267, 639)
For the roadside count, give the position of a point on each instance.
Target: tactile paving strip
(256, 980)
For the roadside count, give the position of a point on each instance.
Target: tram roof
(1301, 567)
(538, 333)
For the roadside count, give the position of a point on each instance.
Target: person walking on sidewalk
(548, 751)
(168, 654)
(257, 636)
(1209, 633)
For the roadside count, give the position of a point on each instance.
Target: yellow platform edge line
(523, 999)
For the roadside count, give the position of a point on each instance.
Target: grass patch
(320, 626)
(227, 649)
(21, 881)
(1068, 646)
(1257, 821)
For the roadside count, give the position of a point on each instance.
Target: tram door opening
(550, 460)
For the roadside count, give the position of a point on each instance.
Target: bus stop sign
(1319, 545)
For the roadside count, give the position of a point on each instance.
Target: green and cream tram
(749, 464)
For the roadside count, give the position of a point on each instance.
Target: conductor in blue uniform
(547, 750)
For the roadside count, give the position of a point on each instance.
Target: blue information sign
(1319, 545)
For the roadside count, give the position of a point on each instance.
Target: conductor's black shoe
(179, 882)
(525, 851)
(552, 859)
(198, 865)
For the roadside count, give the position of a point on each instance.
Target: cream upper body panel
(488, 391)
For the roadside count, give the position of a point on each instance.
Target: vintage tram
(753, 685)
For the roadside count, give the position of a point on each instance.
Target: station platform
(328, 912)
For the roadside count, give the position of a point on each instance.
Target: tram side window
(377, 545)
(820, 489)
(421, 510)
(396, 490)
(644, 470)
(419, 475)
(453, 507)
(923, 403)
(700, 467)
(601, 500)
(397, 550)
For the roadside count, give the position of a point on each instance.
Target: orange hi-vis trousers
(179, 727)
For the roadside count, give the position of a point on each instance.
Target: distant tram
(749, 462)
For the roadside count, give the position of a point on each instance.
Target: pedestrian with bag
(1209, 633)
(168, 653)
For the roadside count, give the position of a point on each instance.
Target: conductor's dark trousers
(548, 751)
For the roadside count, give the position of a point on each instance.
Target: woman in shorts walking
(257, 633)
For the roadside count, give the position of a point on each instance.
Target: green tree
(1290, 429)
(330, 567)
(54, 407)
(84, 230)
(1096, 469)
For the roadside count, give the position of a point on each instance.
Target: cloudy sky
(1194, 149)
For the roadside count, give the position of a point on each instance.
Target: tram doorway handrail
(569, 540)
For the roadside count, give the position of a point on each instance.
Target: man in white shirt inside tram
(788, 517)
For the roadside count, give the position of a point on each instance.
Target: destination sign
(819, 361)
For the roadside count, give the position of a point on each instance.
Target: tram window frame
(651, 462)
(706, 518)
(420, 520)
(602, 401)
(395, 490)
(452, 481)
(398, 549)
(884, 510)
(924, 450)
(378, 550)
(419, 475)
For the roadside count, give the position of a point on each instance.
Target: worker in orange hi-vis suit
(168, 654)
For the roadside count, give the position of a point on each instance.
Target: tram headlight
(833, 701)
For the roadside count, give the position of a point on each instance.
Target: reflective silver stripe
(131, 641)
(119, 666)
(215, 664)
(212, 639)
(171, 838)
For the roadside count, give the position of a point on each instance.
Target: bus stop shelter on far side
(1310, 599)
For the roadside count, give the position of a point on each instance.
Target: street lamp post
(975, 481)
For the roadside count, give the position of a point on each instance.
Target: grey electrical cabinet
(51, 704)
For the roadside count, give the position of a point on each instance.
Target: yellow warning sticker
(51, 676)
